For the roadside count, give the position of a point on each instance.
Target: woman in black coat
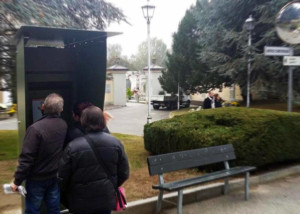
(89, 189)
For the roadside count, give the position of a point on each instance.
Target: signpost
(278, 51)
(291, 60)
(288, 60)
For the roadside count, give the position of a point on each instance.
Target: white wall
(156, 87)
(119, 80)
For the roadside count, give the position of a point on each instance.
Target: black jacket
(207, 103)
(218, 104)
(42, 149)
(88, 188)
(76, 131)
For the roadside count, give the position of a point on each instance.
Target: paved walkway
(279, 197)
(9, 124)
(131, 118)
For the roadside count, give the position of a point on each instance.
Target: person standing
(39, 158)
(218, 101)
(90, 190)
(76, 130)
(209, 102)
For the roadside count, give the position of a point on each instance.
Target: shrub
(260, 137)
(129, 93)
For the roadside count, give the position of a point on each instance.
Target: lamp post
(249, 25)
(148, 12)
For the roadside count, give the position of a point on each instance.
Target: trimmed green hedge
(260, 137)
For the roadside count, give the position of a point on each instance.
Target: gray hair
(53, 104)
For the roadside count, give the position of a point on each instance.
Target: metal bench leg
(225, 186)
(159, 201)
(179, 203)
(247, 186)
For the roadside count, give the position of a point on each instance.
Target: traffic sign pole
(290, 89)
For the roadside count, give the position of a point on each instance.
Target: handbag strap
(107, 171)
(98, 157)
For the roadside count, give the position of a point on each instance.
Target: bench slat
(160, 164)
(176, 185)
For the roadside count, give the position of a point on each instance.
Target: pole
(249, 71)
(149, 73)
(290, 89)
(178, 101)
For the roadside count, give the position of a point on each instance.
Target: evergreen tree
(183, 64)
(211, 47)
(225, 47)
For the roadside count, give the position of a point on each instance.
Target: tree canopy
(158, 52)
(214, 47)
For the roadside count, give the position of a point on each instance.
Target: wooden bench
(160, 164)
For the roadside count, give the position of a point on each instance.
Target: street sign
(291, 60)
(278, 51)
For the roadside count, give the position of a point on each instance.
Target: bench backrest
(169, 162)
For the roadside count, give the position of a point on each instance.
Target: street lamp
(148, 12)
(249, 25)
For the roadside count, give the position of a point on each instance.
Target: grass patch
(138, 186)
(8, 144)
(134, 147)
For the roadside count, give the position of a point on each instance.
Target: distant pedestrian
(209, 102)
(38, 161)
(89, 188)
(218, 101)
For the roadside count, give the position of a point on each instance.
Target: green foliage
(8, 145)
(129, 93)
(211, 47)
(135, 151)
(225, 43)
(260, 137)
(183, 64)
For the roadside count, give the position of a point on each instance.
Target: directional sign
(278, 51)
(291, 60)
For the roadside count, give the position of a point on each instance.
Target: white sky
(167, 15)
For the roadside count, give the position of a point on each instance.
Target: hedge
(260, 137)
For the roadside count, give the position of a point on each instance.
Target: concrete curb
(208, 191)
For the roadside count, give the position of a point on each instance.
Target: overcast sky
(167, 15)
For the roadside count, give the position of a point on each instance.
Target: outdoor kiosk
(65, 61)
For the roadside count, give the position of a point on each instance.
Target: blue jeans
(38, 191)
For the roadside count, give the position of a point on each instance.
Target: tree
(224, 42)
(211, 48)
(158, 51)
(80, 14)
(114, 56)
(183, 64)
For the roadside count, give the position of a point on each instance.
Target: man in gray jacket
(38, 161)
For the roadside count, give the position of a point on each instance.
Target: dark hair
(79, 107)
(92, 119)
